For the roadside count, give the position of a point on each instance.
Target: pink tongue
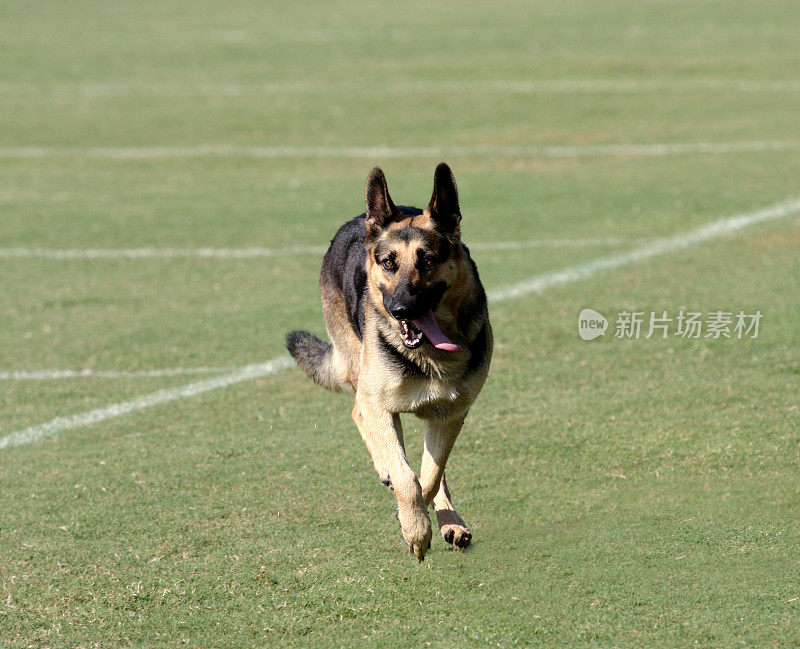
(428, 325)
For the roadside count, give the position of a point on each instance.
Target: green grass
(621, 493)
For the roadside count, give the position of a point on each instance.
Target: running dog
(407, 318)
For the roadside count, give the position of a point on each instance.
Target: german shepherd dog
(406, 314)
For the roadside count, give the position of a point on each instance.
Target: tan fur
(345, 342)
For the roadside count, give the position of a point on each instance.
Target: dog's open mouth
(414, 332)
(412, 337)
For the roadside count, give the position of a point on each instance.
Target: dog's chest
(426, 395)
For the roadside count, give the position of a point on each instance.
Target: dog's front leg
(453, 528)
(387, 433)
(440, 436)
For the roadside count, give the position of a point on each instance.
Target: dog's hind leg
(453, 528)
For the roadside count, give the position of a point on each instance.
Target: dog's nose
(400, 311)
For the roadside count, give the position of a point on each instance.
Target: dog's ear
(443, 207)
(380, 209)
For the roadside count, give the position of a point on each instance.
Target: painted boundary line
(719, 228)
(510, 86)
(257, 252)
(653, 248)
(158, 253)
(40, 375)
(358, 152)
(247, 373)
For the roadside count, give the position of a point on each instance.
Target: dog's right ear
(380, 209)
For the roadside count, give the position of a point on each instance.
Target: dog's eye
(388, 264)
(428, 263)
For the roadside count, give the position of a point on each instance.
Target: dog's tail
(315, 357)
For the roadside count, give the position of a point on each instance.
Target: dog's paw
(416, 528)
(458, 536)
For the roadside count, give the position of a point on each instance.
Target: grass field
(621, 493)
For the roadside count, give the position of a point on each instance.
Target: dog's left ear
(443, 207)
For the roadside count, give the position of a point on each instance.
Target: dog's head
(414, 261)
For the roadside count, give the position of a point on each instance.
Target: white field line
(714, 230)
(527, 244)
(509, 86)
(43, 375)
(383, 152)
(253, 253)
(653, 248)
(158, 253)
(59, 424)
